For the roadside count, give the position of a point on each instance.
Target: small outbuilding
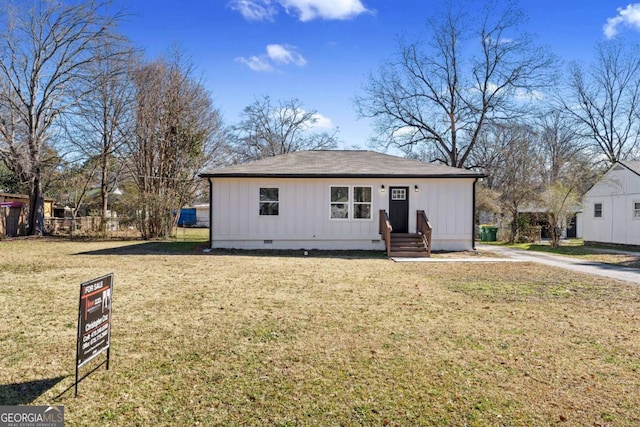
(611, 208)
(23, 198)
(202, 214)
(14, 210)
(360, 200)
(12, 219)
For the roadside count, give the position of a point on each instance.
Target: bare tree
(567, 170)
(9, 180)
(559, 142)
(561, 198)
(45, 48)
(604, 99)
(488, 154)
(442, 91)
(75, 183)
(560, 202)
(269, 129)
(516, 172)
(102, 120)
(177, 133)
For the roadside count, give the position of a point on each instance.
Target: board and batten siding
(618, 190)
(304, 213)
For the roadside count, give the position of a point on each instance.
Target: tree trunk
(555, 236)
(514, 226)
(104, 196)
(35, 226)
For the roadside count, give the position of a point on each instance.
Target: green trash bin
(491, 234)
(483, 234)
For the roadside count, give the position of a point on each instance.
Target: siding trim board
(329, 175)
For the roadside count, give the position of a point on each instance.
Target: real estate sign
(94, 319)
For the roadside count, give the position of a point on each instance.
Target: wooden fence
(87, 226)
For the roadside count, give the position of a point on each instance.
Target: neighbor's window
(636, 210)
(362, 202)
(597, 210)
(339, 202)
(269, 203)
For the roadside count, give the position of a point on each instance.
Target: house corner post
(473, 216)
(210, 213)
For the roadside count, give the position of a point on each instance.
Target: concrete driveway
(626, 274)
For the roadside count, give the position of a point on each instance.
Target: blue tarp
(187, 217)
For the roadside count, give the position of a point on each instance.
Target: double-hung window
(362, 202)
(269, 202)
(597, 210)
(339, 202)
(636, 210)
(351, 202)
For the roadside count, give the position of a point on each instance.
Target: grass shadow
(561, 250)
(197, 248)
(153, 248)
(300, 253)
(24, 393)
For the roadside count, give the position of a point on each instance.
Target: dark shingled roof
(339, 164)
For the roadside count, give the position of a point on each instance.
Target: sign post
(94, 323)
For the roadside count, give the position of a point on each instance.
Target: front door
(399, 209)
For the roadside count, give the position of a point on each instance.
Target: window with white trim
(399, 194)
(597, 210)
(339, 202)
(362, 202)
(636, 210)
(269, 202)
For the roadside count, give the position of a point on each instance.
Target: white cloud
(403, 132)
(254, 10)
(629, 16)
(529, 95)
(256, 63)
(277, 54)
(285, 55)
(322, 122)
(504, 40)
(305, 10)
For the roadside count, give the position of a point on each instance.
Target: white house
(336, 200)
(202, 214)
(611, 208)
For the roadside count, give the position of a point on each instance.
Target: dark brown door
(399, 209)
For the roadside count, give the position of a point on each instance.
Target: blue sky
(321, 51)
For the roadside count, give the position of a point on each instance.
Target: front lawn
(249, 339)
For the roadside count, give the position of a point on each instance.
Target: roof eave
(327, 175)
(627, 167)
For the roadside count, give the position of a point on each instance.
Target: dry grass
(294, 341)
(595, 253)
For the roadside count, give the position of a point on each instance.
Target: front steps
(408, 245)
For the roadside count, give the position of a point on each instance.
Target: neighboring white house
(202, 214)
(611, 208)
(333, 199)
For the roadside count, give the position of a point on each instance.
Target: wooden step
(422, 254)
(408, 245)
